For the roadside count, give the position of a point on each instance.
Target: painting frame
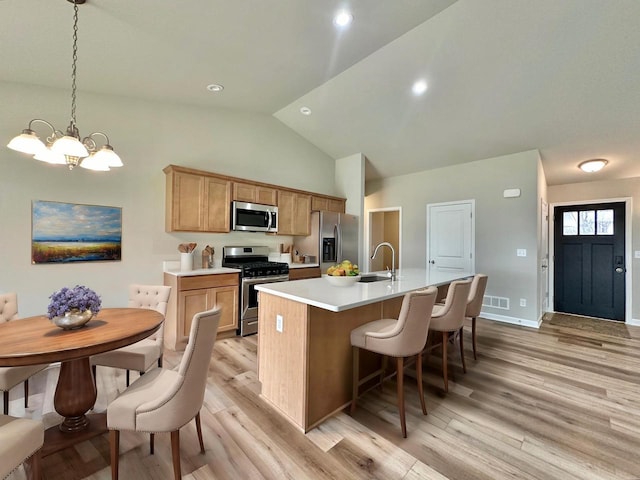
(75, 233)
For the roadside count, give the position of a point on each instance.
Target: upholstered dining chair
(12, 376)
(20, 443)
(400, 338)
(449, 318)
(141, 355)
(474, 305)
(166, 400)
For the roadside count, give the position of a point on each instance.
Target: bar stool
(399, 338)
(474, 305)
(449, 318)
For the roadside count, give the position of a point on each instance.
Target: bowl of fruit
(343, 274)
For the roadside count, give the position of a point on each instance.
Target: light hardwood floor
(555, 403)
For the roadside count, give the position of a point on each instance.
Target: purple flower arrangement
(79, 297)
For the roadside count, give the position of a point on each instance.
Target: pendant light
(67, 148)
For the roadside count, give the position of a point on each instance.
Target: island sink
(373, 278)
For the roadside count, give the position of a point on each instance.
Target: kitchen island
(304, 346)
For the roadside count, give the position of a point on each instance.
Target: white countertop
(203, 271)
(318, 292)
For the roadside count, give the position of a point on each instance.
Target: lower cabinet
(197, 293)
(302, 273)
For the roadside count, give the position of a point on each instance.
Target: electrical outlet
(521, 252)
(523, 302)
(636, 254)
(279, 323)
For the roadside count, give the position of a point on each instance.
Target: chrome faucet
(392, 273)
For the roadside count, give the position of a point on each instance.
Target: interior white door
(450, 237)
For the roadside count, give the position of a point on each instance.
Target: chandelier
(67, 148)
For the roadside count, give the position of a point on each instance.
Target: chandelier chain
(73, 68)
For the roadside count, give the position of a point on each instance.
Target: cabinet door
(319, 203)
(243, 192)
(266, 196)
(335, 205)
(191, 302)
(186, 212)
(218, 213)
(227, 298)
(302, 215)
(286, 206)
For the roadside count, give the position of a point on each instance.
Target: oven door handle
(259, 280)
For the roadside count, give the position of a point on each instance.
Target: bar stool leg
(473, 337)
(419, 380)
(400, 382)
(356, 378)
(464, 365)
(445, 373)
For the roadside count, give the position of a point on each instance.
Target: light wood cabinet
(327, 204)
(199, 201)
(294, 211)
(197, 293)
(245, 192)
(196, 202)
(302, 273)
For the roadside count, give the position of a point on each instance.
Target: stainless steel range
(255, 270)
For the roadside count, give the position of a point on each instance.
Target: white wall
(148, 136)
(503, 225)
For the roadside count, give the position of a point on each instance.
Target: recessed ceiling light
(343, 19)
(214, 87)
(419, 87)
(594, 165)
(305, 110)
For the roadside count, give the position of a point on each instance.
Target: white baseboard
(634, 322)
(513, 320)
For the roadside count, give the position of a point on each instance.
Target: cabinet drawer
(207, 281)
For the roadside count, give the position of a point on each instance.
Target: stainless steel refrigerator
(334, 238)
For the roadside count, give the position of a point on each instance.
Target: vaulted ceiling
(503, 75)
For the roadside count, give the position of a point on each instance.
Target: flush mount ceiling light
(67, 148)
(419, 87)
(215, 87)
(343, 19)
(594, 165)
(305, 110)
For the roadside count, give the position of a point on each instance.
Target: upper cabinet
(327, 204)
(294, 213)
(246, 192)
(196, 202)
(199, 201)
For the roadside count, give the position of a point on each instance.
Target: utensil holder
(186, 262)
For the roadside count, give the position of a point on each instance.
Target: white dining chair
(141, 355)
(20, 443)
(166, 400)
(12, 376)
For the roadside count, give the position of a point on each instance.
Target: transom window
(588, 222)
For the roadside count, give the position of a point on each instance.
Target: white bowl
(342, 281)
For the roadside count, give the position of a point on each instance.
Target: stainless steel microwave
(253, 217)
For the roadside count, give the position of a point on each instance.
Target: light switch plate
(279, 323)
(636, 254)
(521, 252)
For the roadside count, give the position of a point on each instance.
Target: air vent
(495, 302)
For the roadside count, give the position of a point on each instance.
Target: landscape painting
(69, 232)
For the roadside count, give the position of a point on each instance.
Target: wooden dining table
(36, 340)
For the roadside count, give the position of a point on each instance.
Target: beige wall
(503, 225)
(148, 136)
(614, 189)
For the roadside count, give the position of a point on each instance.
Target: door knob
(432, 262)
(619, 270)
